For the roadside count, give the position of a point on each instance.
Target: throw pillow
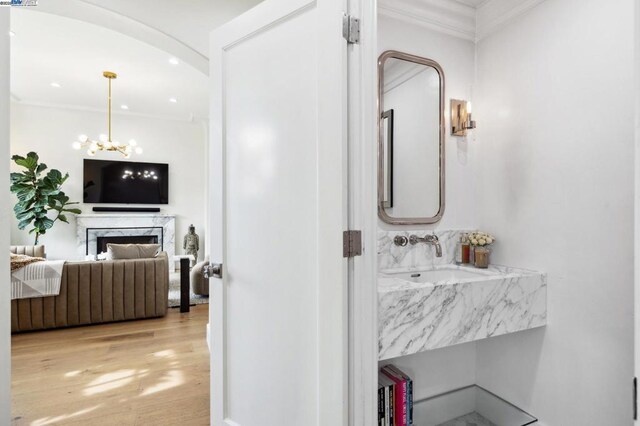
(132, 251)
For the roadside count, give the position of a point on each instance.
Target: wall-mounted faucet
(427, 239)
(400, 240)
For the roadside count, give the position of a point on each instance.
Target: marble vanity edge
(430, 317)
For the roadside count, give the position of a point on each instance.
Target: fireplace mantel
(89, 226)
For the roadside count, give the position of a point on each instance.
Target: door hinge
(351, 29)
(351, 243)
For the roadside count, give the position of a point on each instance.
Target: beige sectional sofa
(95, 292)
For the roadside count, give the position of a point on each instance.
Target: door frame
(332, 275)
(636, 334)
(5, 291)
(363, 296)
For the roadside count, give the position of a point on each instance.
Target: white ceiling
(49, 48)
(187, 21)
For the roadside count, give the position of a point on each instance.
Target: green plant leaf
(41, 167)
(19, 178)
(25, 214)
(22, 206)
(55, 177)
(63, 218)
(26, 194)
(17, 158)
(74, 211)
(47, 223)
(24, 223)
(30, 162)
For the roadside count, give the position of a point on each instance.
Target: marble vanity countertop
(417, 316)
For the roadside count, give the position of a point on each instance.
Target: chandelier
(104, 142)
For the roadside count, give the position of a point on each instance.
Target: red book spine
(400, 398)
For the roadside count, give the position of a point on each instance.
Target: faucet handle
(400, 240)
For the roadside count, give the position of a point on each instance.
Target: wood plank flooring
(147, 372)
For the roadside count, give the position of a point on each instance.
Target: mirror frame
(382, 214)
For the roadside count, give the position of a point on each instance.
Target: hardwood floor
(147, 372)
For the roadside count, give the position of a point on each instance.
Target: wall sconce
(461, 117)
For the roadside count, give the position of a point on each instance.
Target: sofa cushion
(132, 251)
(33, 251)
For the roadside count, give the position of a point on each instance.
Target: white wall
(555, 115)
(5, 293)
(443, 369)
(50, 132)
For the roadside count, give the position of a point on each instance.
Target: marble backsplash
(391, 256)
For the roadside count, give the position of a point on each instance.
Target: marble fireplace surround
(92, 226)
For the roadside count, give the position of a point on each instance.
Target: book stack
(395, 397)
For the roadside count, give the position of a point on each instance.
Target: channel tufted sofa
(95, 292)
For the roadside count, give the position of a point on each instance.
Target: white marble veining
(419, 316)
(91, 226)
(392, 256)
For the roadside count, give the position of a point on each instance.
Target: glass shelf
(469, 406)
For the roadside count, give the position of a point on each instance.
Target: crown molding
(492, 15)
(449, 17)
(458, 18)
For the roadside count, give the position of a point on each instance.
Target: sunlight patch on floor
(110, 381)
(167, 353)
(170, 380)
(58, 419)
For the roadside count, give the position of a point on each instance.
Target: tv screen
(124, 182)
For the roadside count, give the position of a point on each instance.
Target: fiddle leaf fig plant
(38, 195)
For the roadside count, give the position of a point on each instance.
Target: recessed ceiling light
(55, 84)
(173, 100)
(174, 61)
(12, 34)
(124, 106)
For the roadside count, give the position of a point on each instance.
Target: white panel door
(278, 317)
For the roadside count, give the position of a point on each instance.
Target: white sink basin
(442, 273)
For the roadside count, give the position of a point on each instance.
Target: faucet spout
(438, 249)
(427, 239)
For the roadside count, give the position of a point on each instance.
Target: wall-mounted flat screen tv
(124, 182)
